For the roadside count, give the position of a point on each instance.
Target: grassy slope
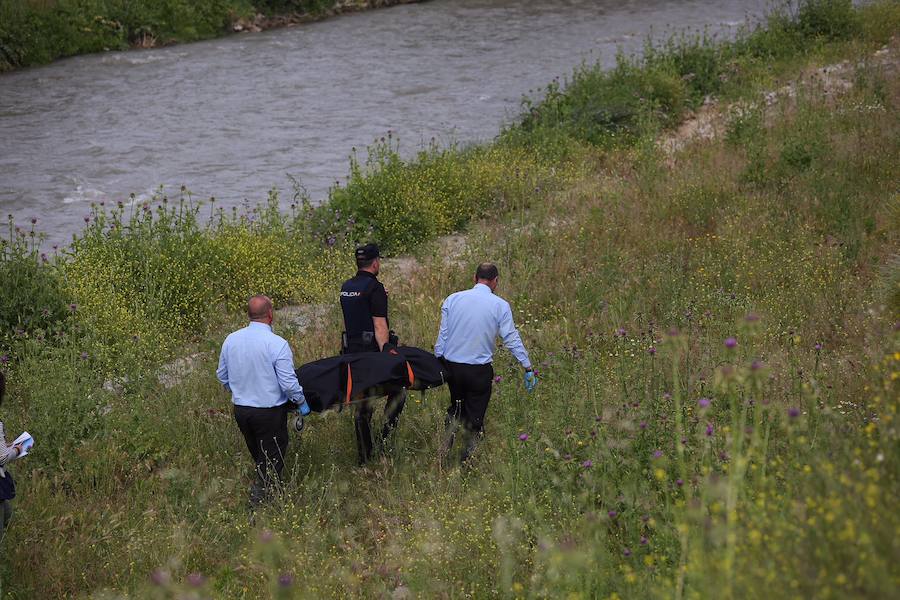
(791, 217)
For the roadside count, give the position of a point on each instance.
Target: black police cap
(367, 252)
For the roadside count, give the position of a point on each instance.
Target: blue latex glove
(530, 380)
(303, 407)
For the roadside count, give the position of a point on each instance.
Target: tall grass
(716, 342)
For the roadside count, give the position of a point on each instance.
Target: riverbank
(713, 322)
(34, 33)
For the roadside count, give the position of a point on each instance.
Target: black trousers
(266, 434)
(363, 422)
(470, 392)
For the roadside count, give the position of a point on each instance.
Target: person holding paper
(7, 454)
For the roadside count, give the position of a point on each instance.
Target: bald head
(259, 308)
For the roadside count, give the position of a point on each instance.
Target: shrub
(32, 302)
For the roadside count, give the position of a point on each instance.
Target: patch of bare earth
(710, 120)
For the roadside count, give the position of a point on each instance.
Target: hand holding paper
(25, 441)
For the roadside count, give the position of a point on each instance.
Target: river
(233, 117)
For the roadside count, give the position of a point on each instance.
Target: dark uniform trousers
(265, 432)
(470, 391)
(363, 422)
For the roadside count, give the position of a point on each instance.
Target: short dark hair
(365, 263)
(487, 271)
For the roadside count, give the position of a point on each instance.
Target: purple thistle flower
(196, 579)
(285, 580)
(498, 379)
(818, 346)
(587, 464)
(266, 536)
(643, 425)
(643, 541)
(793, 412)
(620, 332)
(657, 454)
(159, 577)
(84, 356)
(626, 552)
(523, 437)
(4, 359)
(709, 429)
(87, 219)
(612, 514)
(645, 518)
(667, 396)
(730, 342)
(756, 365)
(33, 220)
(703, 402)
(679, 482)
(73, 307)
(651, 350)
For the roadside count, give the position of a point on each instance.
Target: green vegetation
(34, 32)
(716, 334)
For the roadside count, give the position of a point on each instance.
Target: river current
(236, 116)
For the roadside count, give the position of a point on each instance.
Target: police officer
(364, 303)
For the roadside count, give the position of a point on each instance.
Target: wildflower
(703, 402)
(679, 482)
(159, 577)
(620, 332)
(196, 579)
(645, 518)
(818, 346)
(73, 307)
(84, 356)
(643, 541)
(730, 343)
(673, 332)
(4, 359)
(756, 365)
(793, 412)
(643, 425)
(33, 220)
(523, 437)
(587, 464)
(667, 396)
(626, 552)
(612, 514)
(657, 454)
(266, 536)
(285, 580)
(751, 318)
(87, 219)
(709, 429)
(651, 350)
(498, 379)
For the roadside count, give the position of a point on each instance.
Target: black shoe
(471, 444)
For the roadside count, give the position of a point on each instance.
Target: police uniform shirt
(362, 297)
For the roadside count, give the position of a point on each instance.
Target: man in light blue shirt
(257, 368)
(471, 320)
